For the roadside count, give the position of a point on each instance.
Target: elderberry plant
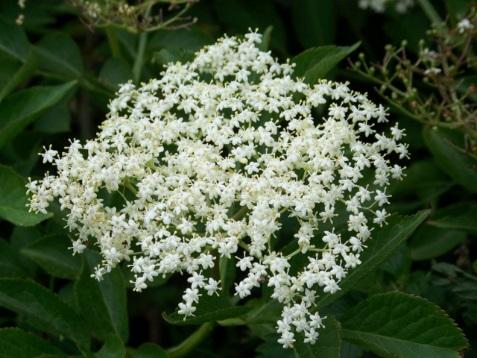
(208, 159)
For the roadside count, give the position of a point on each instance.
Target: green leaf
(53, 255)
(149, 350)
(314, 21)
(20, 109)
(380, 246)
(411, 27)
(44, 308)
(396, 324)
(187, 40)
(349, 350)
(267, 37)
(8, 65)
(39, 16)
(56, 119)
(458, 8)
(22, 236)
(13, 199)
(102, 303)
(462, 216)
(272, 349)
(430, 242)
(115, 72)
(238, 16)
(22, 74)
(314, 63)
(423, 182)
(261, 319)
(17, 343)
(13, 41)
(112, 348)
(209, 309)
(398, 264)
(10, 262)
(457, 164)
(59, 54)
(127, 40)
(328, 344)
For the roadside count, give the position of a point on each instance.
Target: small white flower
(432, 71)
(48, 155)
(380, 217)
(78, 247)
(464, 25)
(379, 6)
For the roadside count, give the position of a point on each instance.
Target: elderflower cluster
(209, 159)
(401, 6)
(135, 16)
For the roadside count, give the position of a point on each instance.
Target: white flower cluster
(464, 25)
(401, 6)
(210, 158)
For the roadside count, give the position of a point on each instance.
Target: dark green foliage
(399, 325)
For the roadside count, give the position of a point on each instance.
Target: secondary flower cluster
(209, 159)
(401, 6)
(135, 16)
(428, 85)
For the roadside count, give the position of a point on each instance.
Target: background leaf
(461, 216)
(315, 63)
(314, 21)
(55, 119)
(115, 72)
(44, 309)
(21, 74)
(112, 348)
(59, 54)
(458, 165)
(149, 350)
(240, 15)
(423, 183)
(17, 343)
(400, 325)
(10, 262)
(20, 109)
(209, 309)
(13, 199)
(13, 41)
(328, 344)
(430, 242)
(53, 254)
(102, 303)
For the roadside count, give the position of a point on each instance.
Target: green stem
(430, 11)
(113, 42)
(191, 342)
(130, 187)
(240, 213)
(139, 61)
